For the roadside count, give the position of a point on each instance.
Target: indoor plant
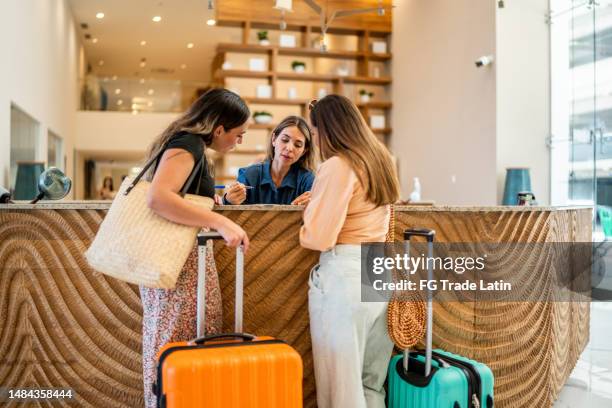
(365, 96)
(262, 117)
(262, 36)
(298, 66)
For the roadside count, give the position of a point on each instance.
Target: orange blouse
(338, 212)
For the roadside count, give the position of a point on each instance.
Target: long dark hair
(217, 107)
(344, 132)
(307, 160)
(108, 178)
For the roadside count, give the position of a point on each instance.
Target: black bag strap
(198, 166)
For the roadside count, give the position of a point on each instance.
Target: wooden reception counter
(61, 325)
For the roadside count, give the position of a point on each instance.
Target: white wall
(39, 70)
(443, 107)
(118, 131)
(523, 94)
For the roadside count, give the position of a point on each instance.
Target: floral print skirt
(170, 315)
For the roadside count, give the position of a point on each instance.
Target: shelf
(276, 101)
(246, 152)
(237, 73)
(265, 126)
(225, 178)
(376, 56)
(367, 80)
(383, 131)
(307, 77)
(235, 21)
(374, 105)
(270, 126)
(300, 51)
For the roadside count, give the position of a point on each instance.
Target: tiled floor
(590, 384)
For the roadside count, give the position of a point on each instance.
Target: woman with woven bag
(350, 204)
(218, 119)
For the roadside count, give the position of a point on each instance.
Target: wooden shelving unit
(360, 59)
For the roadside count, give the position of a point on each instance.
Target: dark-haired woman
(350, 205)
(286, 176)
(218, 119)
(107, 192)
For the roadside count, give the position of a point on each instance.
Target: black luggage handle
(243, 336)
(203, 237)
(420, 232)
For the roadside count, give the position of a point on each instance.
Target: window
(55, 151)
(25, 140)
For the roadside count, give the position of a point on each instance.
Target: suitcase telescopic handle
(430, 235)
(203, 238)
(243, 336)
(420, 232)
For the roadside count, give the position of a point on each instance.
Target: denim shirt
(297, 181)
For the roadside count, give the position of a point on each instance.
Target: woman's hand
(303, 199)
(218, 200)
(236, 194)
(233, 234)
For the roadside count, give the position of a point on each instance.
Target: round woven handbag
(406, 313)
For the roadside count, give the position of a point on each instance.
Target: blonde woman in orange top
(350, 205)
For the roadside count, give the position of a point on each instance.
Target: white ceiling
(128, 22)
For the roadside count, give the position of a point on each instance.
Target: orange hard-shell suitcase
(227, 370)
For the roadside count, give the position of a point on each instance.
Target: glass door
(573, 140)
(603, 102)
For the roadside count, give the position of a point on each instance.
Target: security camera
(484, 61)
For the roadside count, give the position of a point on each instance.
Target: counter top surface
(104, 205)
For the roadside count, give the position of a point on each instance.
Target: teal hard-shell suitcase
(437, 378)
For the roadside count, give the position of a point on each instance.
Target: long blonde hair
(343, 132)
(307, 160)
(216, 107)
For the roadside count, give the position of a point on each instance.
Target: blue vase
(517, 179)
(26, 185)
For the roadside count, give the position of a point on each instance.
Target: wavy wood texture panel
(63, 326)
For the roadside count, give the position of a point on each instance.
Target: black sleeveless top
(194, 145)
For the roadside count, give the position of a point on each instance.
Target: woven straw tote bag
(138, 246)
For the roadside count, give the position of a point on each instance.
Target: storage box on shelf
(349, 65)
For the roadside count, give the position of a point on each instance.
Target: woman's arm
(164, 199)
(325, 214)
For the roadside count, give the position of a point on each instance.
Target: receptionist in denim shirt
(286, 176)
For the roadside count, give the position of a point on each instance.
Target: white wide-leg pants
(350, 344)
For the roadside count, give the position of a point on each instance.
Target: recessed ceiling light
(183, 66)
(157, 19)
(119, 102)
(134, 106)
(94, 40)
(100, 15)
(101, 62)
(143, 42)
(143, 64)
(150, 103)
(142, 80)
(114, 77)
(117, 91)
(190, 45)
(151, 91)
(211, 22)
